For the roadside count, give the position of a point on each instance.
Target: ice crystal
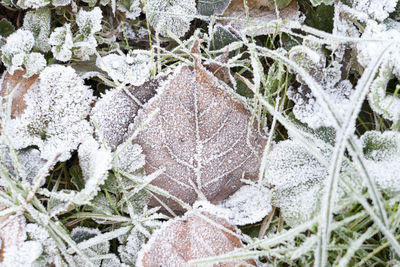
(61, 42)
(16, 52)
(172, 15)
(38, 23)
(382, 151)
(49, 247)
(55, 116)
(133, 70)
(131, 8)
(32, 3)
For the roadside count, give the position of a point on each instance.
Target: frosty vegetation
(178, 132)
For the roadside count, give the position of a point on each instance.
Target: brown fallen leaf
(200, 137)
(188, 238)
(259, 11)
(9, 88)
(12, 231)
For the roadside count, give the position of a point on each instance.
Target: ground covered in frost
(199, 132)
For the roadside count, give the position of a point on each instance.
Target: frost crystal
(61, 42)
(131, 8)
(49, 247)
(15, 53)
(382, 151)
(38, 23)
(174, 15)
(32, 3)
(55, 116)
(133, 70)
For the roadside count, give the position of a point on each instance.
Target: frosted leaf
(89, 22)
(131, 8)
(29, 161)
(248, 205)
(174, 15)
(60, 2)
(200, 136)
(296, 177)
(116, 110)
(382, 151)
(22, 255)
(129, 158)
(32, 3)
(260, 12)
(381, 102)
(378, 10)
(299, 204)
(34, 63)
(55, 116)
(306, 108)
(85, 48)
(212, 7)
(18, 45)
(50, 251)
(367, 51)
(319, 2)
(95, 163)
(38, 23)
(130, 248)
(61, 42)
(80, 234)
(133, 70)
(188, 238)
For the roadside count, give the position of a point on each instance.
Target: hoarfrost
(38, 23)
(24, 4)
(50, 251)
(200, 136)
(55, 116)
(130, 69)
(61, 42)
(34, 63)
(174, 15)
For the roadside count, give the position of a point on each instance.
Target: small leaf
(6, 28)
(212, 7)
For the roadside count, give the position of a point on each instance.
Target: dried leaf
(200, 137)
(259, 11)
(189, 238)
(16, 93)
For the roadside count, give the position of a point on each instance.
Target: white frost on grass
(131, 8)
(55, 117)
(129, 158)
(172, 15)
(131, 246)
